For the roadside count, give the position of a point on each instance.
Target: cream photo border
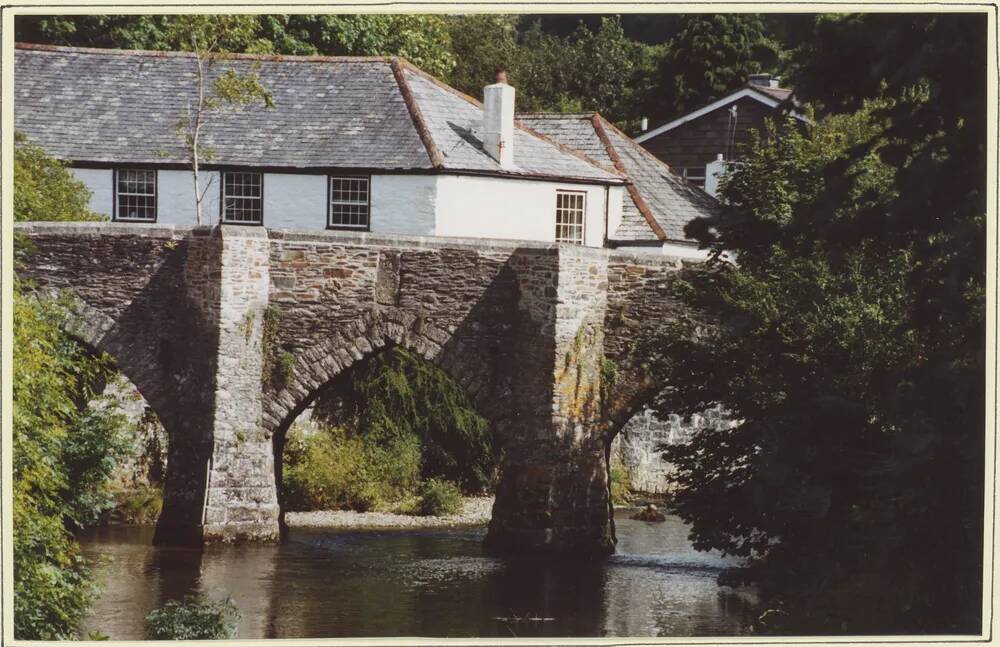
(10, 10)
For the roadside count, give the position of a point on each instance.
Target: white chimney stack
(498, 120)
(644, 124)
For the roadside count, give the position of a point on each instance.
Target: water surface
(325, 584)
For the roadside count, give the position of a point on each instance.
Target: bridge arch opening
(140, 444)
(392, 432)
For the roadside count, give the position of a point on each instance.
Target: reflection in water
(420, 583)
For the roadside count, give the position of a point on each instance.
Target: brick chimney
(764, 80)
(498, 120)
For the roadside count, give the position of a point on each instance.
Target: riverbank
(476, 511)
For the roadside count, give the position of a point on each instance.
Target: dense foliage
(64, 449)
(439, 498)
(624, 67)
(194, 618)
(44, 188)
(324, 468)
(712, 55)
(378, 432)
(849, 342)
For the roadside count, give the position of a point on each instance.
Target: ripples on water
(420, 583)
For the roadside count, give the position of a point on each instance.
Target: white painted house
(368, 144)
(658, 202)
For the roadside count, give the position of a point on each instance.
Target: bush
(140, 505)
(328, 469)
(439, 499)
(621, 484)
(195, 618)
(62, 456)
(398, 395)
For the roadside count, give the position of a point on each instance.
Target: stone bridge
(230, 332)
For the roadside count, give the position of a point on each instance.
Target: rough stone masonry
(230, 332)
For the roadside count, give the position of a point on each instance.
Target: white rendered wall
(99, 181)
(489, 207)
(294, 201)
(403, 204)
(616, 194)
(175, 198)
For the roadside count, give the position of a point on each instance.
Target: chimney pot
(500, 75)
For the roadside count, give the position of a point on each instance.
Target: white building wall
(175, 203)
(295, 201)
(403, 204)
(616, 195)
(422, 205)
(490, 207)
(99, 182)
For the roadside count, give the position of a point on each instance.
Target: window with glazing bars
(695, 175)
(569, 217)
(242, 198)
(349, 202)
(135, 195)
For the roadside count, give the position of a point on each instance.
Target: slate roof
(121, 106)
(659, 202)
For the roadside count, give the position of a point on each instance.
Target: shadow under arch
(91, 329)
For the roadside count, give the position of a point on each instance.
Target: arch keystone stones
(526, 328)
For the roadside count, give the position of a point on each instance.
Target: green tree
(607, 70)
(398, 395)
(63, 450)
(711, 56)
(44, 188)
(209, 38)
(849, 344)
(481, 43)
(424, 40)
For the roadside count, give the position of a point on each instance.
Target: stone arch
(364, 338)
(95, 331)
(367, 335)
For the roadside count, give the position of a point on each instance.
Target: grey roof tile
(120, 106)
(455, 124)
(116, 107)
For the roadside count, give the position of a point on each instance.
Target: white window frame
(562, 210)
(331, 203)
(697, 180)
(118, 194)
(224, 216)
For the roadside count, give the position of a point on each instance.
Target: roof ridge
(517, 123)
(642, 149)
(557, 115)
(653, 158)
(288, 58)
(598, 122)
(433, 152)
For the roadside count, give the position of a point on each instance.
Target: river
(327, 584)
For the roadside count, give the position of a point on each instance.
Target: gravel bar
(476, 512)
